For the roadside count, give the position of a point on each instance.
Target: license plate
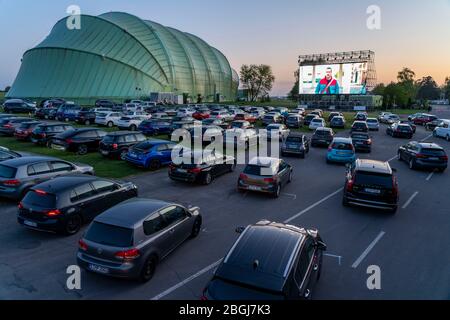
(254, 188)
(373, 191)
(341, 154)
(30, 224)
(182, 170)
(98, 269)
(60, 148)
(105, 153)
(434, 159)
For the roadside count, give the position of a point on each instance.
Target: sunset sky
(414, 33)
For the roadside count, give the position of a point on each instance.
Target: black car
(64, 204)
(44, 133)
(18, 107)
(117, 144)
(295, 144)
(201, 169)
(46, 113)
(78, 140)
(412, 125)
(423, 155)
(371, 184)
(322, 137)
(430, 126)
(362, 141)
(104, 104)
(398, 130)
(359, 126)
(269, 261)
(85, 116)
(9, 125)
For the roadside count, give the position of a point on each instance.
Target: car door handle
(316, 267)
(172, 231)
(307, 293)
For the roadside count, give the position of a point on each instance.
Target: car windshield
(372, 121)
(110, 235)
(40, 199)
(256, 170)
(7, 172)
(404, 128)
(294, 139)
(342, 146)
(373, 179)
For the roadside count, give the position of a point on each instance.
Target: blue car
(68, 112)
(151, 154)
(341, 150)
(155, 127)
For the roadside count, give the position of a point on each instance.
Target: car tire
(82, 150)
(277, 192)
(154, 165)
(399, 156)
(291, 174)
(48, 143)
(122, 154)
(412, 164)
(110, 124)
(208, 179)
(133, 127)
(73, 225)
(148, 269)
(196, 228)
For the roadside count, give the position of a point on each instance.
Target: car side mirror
(321, 245)
(240, 230)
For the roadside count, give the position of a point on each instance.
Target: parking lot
(411, 247)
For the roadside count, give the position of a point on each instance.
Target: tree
(294, 93)
(379, 89)
(428, 89)
(258, 80)
(446, 88)
(406, 75)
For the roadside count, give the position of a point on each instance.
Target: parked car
(373, 124)
(155, 127)
(424, 119)
(67, 112)
(19, 175)
(241, 139)
(415, 115)
(423, 156)
(292, 256)
(6, 154)
(277, 131)
(317, 123)
(359, 126)
(103, 110)
(9, 125)
(322, 137)
(294, 121)
(241, 124)
(18, 106)
(46, 113)
(245, 117)
(334, 114)
(400, 131)
(201, 114)
(104, 104)
(341, 150)
(391, 119)
(224, 115)
(117, 144)
(64, 204)
(382, 117)
(443, 131)
(85, 116)
(267, 175)
(371, 184)
(43, 133)
(108, 119)
(430, 126)
(272, 118)
(307, 120)
(130, 123)
(151, 154)
(24, 130)
(131, 245)
(362, 141)
(201, 168)
(337, 122)
(185, 112)
(81, 141)
(361, 116)
(295, 144)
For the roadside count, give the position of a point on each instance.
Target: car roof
(122, 133)
(17, 162)
(373, 166)
(324, 129)
(65, 183)
(263, 255)
(430, 146)
(263, 161)
(131, 213)
(296, 134)
(342, 140)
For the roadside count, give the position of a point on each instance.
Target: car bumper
(431, 165)
(338, 159)
(108, 153)
(51, 225)
(370, 204)
(10, 193)
(135, 161)
(256, 188)
(321, 143)
(124, 270)
(185, 177)
(363, 147)
(293, 151)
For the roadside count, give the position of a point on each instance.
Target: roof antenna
(255, 264)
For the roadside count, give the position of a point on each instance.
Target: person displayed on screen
(328, 85)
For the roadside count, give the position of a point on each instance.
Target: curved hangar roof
(117, 55)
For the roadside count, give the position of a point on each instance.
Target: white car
(391, 119)
(108, 119)
(138, 114)
(222, 115)
(101, 110)
(383, 115)
(185, 112)
(443, 131)
(317, 123)
(241, 138)
(130, 122)
(278, 129)
(258, 114)
(159, 115)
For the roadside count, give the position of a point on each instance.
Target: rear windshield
(373, 179)
(294, 139)
(110, 235)
(146, 145)
(256, 170)
(360, 136)
(7, 172)
(41, 200)
(342, 146)
(323, 133)
(433, 152)
(404, 128)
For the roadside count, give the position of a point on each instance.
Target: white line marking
(425, 139)
(430, 176)
(182, 283)
(410, 200)
(393, 158)
(334, 256)
(312, 206)
(294, 196)
(367, 251)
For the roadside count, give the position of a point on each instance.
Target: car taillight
(7, 126)
(445, 158)
(243, 176)
(20, 206)
(369, 141)
(115, 146)
(349, 186)
(82, 245)
(11, 183)
(128, 254)
(195, 170)
(42, 135)
(395, 187)
(69, 141)
(420, 156)
(53, 213)
(271, 180)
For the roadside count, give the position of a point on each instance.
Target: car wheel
(73, 225)
(399, 156)
(277, 192)
(133, 127)
(123, 154)
(148, 270)
(110, 124)
(441, 170)
(196, 228)
(412, 165)
(155, 165)
(82, 150)
(87, 122)
(291, 174)
(208, 179)
(447, 138)
(48, 143)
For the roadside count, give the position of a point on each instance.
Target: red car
(245, 117)
(201, 115)
(23, 132)
(424, 119)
